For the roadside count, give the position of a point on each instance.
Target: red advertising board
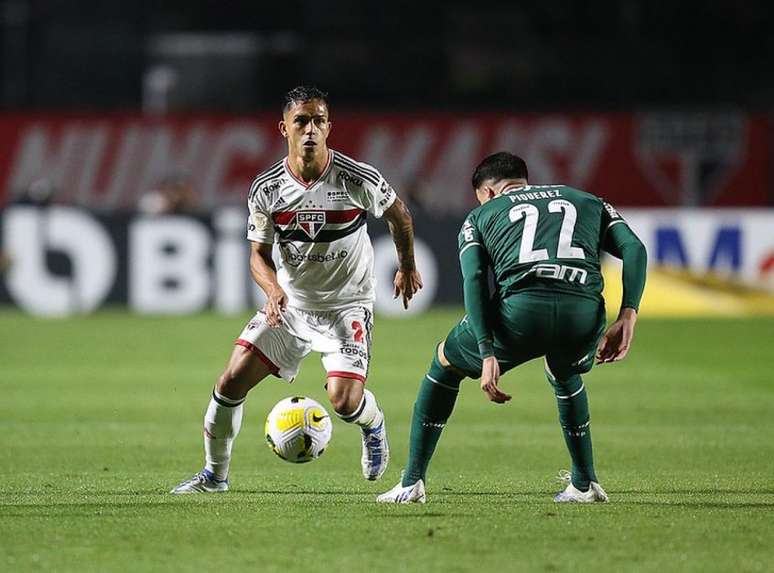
(107, 162)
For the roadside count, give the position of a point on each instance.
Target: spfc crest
(688, 157)
(311, 222)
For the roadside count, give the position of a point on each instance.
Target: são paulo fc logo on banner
(689, 157)
(311, 222)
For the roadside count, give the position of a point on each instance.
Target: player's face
(306, 127)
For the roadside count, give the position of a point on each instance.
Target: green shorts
(564, 328)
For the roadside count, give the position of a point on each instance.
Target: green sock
(435, 402)
(573, 404)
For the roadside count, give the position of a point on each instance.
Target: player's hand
(276, 303)
(490, 376)
(407, 283)
(618, 338)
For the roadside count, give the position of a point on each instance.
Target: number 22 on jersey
(530, 214)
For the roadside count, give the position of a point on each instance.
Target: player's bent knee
(444, 376)
(232, 385)
(563, 384)
(344, 394)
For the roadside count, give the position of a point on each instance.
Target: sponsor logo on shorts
(582, 359)
(354, 350)
(358, 364)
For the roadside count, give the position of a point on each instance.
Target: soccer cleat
(203, 482)
(572, 494)
(414, 493)
(376, 452)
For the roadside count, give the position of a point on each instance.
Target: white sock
(367, 415)
(222, 423)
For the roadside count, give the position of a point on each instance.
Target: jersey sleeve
(474, 262)
(260, 227)
(610, 216)
(621, 242)
(376, 195)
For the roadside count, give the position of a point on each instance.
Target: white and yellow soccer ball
(298, 429)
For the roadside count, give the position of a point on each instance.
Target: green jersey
(541, 237)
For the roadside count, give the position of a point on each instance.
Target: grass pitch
(100, 416)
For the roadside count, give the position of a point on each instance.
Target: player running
(543, 243)
(313, 205)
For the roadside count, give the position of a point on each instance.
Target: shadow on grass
(696, 491)
(422, 515)
(349, 492)
(5, 498)
(702, 504)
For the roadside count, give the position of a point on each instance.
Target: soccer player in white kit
(313, 205)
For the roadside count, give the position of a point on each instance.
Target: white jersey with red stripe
(324, 256)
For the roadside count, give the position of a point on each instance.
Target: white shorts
(342, 336)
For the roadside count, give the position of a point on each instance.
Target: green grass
(100, 416)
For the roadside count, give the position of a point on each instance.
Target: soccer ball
(298, 429)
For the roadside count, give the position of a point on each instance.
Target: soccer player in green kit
(543, 245)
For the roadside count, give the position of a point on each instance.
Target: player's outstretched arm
(407, 280)
(265, 274)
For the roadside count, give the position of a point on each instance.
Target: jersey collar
(514, 188)
(311, 183)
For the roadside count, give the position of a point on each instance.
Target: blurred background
(130, 132)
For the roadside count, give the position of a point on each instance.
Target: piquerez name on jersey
(324, 256)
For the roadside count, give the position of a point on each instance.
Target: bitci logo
(311, 222)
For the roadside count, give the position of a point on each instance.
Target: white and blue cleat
(203, 482)
(414, 493)
(376, 452)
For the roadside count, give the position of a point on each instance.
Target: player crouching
(543, 245)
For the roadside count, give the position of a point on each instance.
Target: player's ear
(283, 128)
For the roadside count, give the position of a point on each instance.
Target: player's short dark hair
(303, 94)
(499, 166)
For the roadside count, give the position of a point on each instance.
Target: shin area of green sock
(435, 402)
(573, 404)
